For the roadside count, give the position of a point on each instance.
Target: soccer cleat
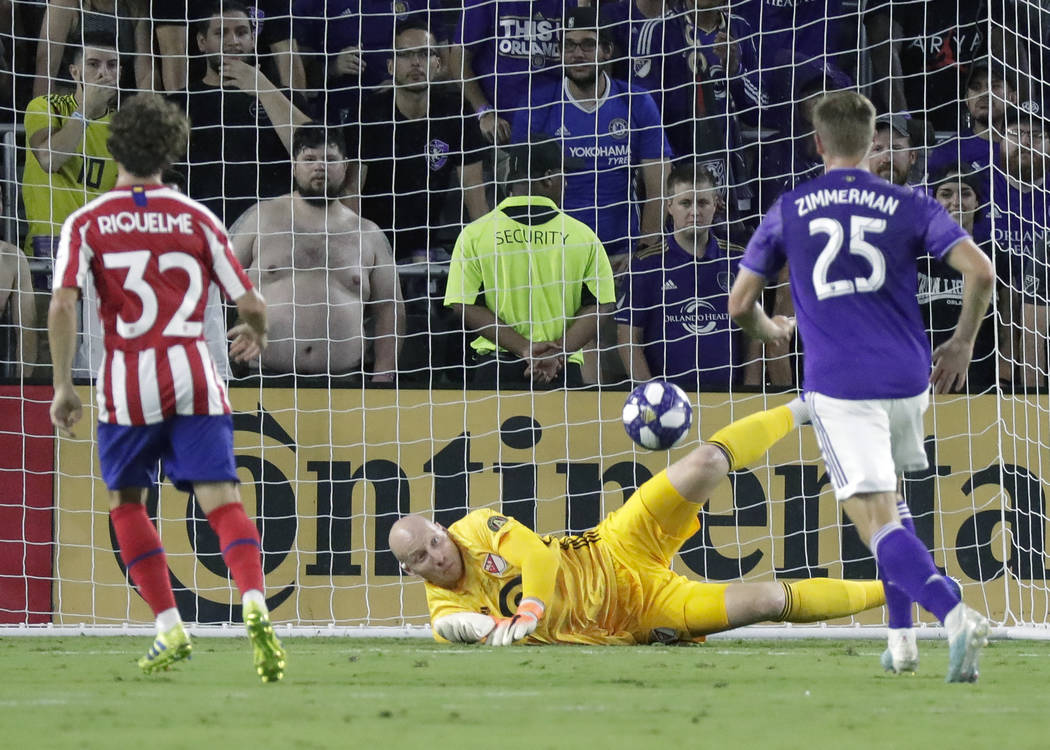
(967, 635)
(267, 650)
(902, 651)
(168, 647)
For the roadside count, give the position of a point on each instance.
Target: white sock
(254, 596)
(168, 619)
(799, 410)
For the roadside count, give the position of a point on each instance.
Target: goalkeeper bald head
(425, 548)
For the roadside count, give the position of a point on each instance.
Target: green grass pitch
(412, 693)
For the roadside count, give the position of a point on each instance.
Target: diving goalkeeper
(612, 584)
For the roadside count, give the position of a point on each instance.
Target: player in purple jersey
(867, 361)
(673, 318)
(609, 125)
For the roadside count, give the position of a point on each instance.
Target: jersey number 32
(136, 261)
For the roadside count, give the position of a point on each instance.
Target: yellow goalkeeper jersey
(596, 599)
(50, 198)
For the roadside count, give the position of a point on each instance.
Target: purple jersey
(852, 240)
(681, 303)
(514, 44)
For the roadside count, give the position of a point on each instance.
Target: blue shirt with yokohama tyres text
(851, 241)
(610, 141)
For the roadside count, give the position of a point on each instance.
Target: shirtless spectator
(16, 313)
(320, 265)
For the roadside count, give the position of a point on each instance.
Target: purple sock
(908, 565)
(898, 603)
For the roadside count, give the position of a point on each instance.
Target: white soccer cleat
(967, 635)
(902, 651)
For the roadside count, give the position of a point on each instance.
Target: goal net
(678, 127)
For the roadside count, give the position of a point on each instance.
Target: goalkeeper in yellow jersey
(612, 584)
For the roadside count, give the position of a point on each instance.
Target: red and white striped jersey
(152, 254)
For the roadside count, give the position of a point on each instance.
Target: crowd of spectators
(362, 150)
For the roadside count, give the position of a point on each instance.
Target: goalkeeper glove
(522, 624)
(464, 627)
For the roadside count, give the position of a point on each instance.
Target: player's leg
(694, 608)
(864, 444)
(810, 600)
(128, 457)
(201, 456)
(730, 448)
(902, 651)
(662, 513)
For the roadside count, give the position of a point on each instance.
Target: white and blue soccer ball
(657, 415)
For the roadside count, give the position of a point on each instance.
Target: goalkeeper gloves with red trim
(522, 624)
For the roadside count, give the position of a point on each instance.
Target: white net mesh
(676, 127)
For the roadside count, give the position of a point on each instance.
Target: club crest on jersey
(437, 154)
(494, 564)
(618, 128)
(642, 66)
(496, 523)
(725, 280)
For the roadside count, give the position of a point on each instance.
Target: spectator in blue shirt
(613, 128)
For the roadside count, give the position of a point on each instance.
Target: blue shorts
(196, 448)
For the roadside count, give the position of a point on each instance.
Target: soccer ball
(657, 415)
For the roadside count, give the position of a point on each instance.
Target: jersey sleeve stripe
(223, 263)
(149, 386)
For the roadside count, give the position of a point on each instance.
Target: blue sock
(908, 565)
(898, 603)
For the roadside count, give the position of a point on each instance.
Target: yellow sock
(746, 439)
(817, 599)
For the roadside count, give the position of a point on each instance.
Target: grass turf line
(390, 693)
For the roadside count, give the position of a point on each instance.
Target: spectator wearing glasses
(613, 128)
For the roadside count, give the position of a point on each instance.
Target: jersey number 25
(858, 227)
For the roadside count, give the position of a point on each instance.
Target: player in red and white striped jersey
(152, 254)
(151, 301)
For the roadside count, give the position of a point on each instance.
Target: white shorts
(867, 444)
